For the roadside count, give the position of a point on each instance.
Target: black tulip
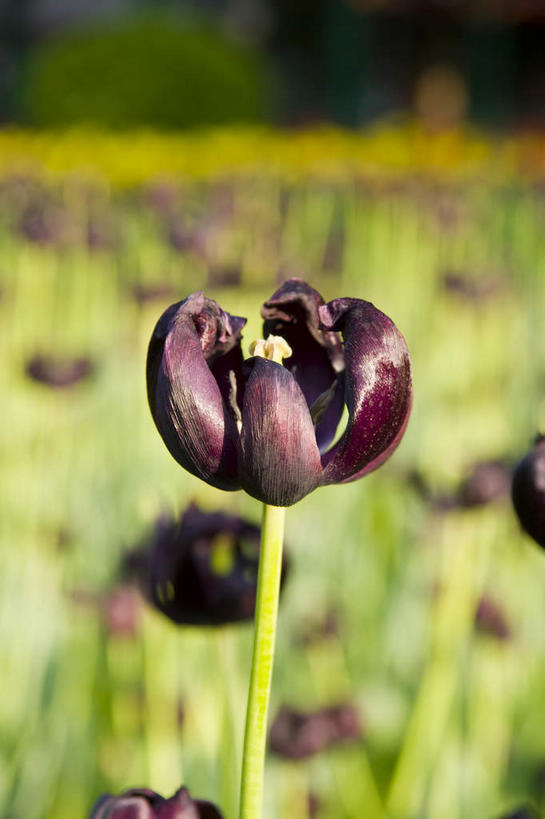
(268, 428)
(142, 803)
(201, 570)
(528, 492)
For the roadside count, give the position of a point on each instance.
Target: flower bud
(142, 803)
(528, 492)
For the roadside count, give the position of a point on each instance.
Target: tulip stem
(266, 610)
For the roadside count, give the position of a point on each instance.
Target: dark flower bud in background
(490, 619)
(122, 611)
(528, 492)
(472, 289)
(313, 805)
(524, 812)
(142, 803)
(316, 630)
(298, 735)
(487, 482)
(226, 275)
(144, 293)
(119, 608)
(201, 570)
(268, 428)
(58, 372)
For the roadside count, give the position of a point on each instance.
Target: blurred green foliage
(147, 71)
(452, 714)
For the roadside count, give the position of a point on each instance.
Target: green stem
(266, 610)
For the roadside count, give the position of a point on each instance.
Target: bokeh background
(391, 151)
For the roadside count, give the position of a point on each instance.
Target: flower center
(274, 348)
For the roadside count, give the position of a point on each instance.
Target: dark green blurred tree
(150, 71)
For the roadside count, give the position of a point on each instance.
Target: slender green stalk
(266, 610)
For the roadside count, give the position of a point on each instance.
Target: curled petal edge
(378, 389)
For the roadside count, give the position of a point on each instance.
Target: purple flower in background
(142, 803)
(298, 735)
(201, 570)
(268, 428)
(59, 372)
(528, 492)
(486, 482)
(490, 619)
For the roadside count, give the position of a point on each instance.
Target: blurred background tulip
(201, 570)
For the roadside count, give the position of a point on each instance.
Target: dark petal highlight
(378, 388)
(292, 312)
(190, 408)
(279, 459)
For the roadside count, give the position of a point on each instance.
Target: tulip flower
(268, 428)
(271, 429)
(528, 491)
(142, 803)
(201, 570)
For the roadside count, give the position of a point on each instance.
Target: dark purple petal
(378, 388)
(179, 806)
(142, 803)
(279, 458)
(317, 355)
(190, 406)
(126, 806)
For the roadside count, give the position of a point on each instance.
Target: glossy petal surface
(279, 459)
(189, 405)
(378, 388)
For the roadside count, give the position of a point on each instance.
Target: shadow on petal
(317, 354)
(279, 458)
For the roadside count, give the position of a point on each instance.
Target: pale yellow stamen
(274, 348)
